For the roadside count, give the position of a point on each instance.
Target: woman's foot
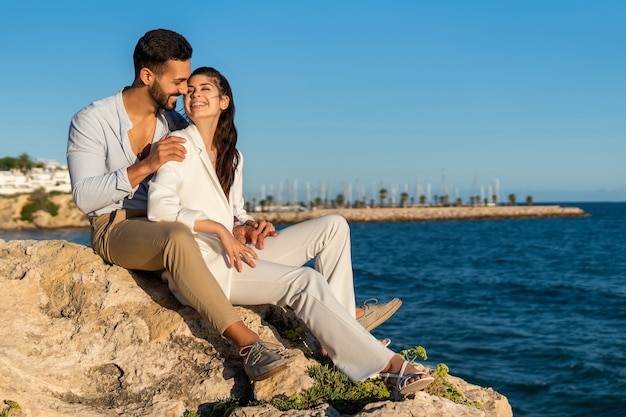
(402, 378)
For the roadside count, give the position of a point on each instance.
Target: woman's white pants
(322, 297)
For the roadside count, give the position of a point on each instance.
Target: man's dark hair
(157, 47)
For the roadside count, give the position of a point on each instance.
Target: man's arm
(99, 169)
(95, 184)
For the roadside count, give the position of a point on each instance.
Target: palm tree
(403, 199)
(24, 163)
(340, 200)
(529, 200)
(512, 199)
(422, 200)
(270, 201)
(383, 196)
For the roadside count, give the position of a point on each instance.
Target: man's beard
(161, 99)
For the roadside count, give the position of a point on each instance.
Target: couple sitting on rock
(165, 194)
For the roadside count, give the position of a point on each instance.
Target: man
(114, 146)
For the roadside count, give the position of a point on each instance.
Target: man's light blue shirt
(99, 152)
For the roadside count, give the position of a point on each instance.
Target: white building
(51, 177)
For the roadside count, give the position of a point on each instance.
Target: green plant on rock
(38, 201)
(8, 407)
(441, 387)
(413, 354)
(225, 407)
(334, 387)
(331, 386)
(290, 329)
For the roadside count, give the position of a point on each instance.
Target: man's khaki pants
(128, 239)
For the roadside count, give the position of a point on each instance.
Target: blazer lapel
(206, 162)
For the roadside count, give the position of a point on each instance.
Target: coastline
(69, 216)
(412, 214)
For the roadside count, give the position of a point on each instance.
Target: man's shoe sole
(269, 373)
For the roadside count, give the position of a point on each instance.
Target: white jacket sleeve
(164, 199)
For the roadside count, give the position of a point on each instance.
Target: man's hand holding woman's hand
(254, 232)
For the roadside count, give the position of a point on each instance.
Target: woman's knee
(307, 279)
(337, 223)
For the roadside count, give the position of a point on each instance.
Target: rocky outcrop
(83, 338)
(69, 215)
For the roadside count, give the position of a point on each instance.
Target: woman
(205, 192)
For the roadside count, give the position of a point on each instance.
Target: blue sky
(354, 96)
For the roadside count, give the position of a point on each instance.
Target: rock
(69, 215)
(83, 338)
(10, 208)
(422, 405)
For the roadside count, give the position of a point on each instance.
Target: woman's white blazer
(189, 190)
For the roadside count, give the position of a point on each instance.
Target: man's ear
(146, 76)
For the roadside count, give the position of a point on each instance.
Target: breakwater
(69, 216)
(369, 215)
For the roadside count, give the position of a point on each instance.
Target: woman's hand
(236, 251)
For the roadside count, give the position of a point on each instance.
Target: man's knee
(179, 234)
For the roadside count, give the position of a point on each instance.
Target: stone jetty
(70, 216)
(417, 214)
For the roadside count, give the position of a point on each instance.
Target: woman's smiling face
(204, 98)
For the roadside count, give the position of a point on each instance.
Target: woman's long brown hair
(225, 138)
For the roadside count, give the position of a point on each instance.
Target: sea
(533, 308)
